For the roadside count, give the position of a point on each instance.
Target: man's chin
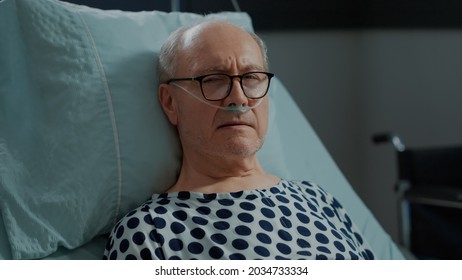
(242, 149)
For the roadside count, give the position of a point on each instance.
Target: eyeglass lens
(218, 86)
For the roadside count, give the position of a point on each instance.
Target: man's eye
(253, 76)
(214, 79)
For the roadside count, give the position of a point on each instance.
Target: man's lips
(233, 123)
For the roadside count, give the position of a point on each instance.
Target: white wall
(351, 84)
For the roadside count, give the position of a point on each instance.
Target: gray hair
(166, 65)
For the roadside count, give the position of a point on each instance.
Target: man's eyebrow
(213, 70)
(254, 67)
(248, 68)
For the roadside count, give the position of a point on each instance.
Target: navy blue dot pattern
(291, 220)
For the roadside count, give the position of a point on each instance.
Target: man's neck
(215, 175)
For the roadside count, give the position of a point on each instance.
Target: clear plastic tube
(226, 108)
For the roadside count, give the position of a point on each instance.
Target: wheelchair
(429, 188)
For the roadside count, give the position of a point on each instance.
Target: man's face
(203, 128)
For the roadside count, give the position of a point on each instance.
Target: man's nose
(236, 96)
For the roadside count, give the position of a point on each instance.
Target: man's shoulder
(139, 211)
(311, 188)
(302, 184)
(141, 216)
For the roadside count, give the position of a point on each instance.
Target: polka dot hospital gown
(291, 220)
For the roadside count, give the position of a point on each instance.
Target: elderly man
(213, 88)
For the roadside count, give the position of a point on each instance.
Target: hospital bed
(83, 139)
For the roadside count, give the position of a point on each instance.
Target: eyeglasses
(216, 87)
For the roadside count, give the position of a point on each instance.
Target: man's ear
(168, 103)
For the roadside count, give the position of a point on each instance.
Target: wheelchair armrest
(380, 138)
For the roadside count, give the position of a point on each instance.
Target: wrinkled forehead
(217, 42)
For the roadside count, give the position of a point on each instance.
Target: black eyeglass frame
(231, 79)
